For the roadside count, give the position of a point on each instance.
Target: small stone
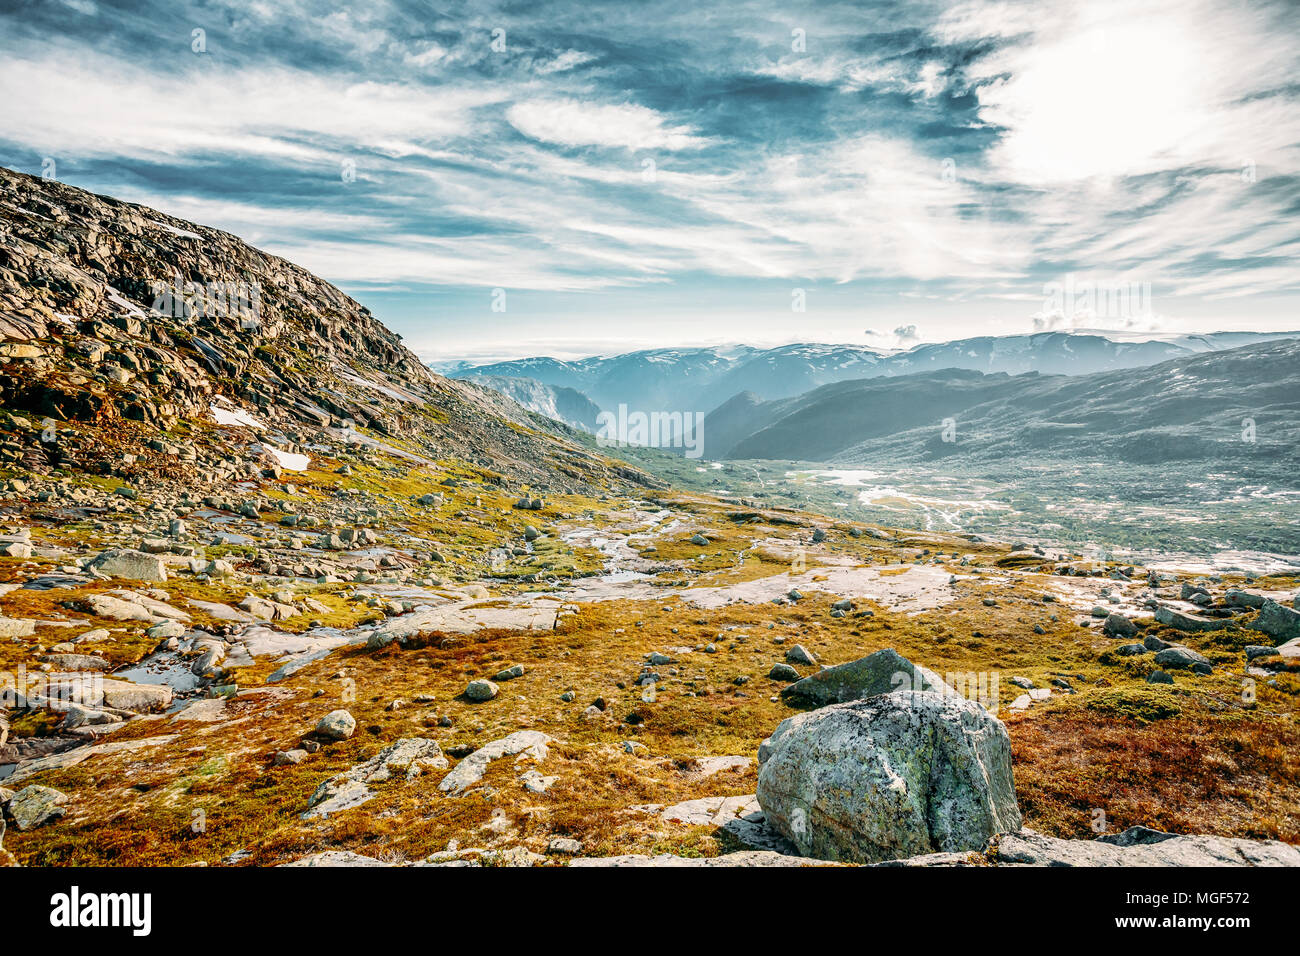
(481, 690)
(800, 655)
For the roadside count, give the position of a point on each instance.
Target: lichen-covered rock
(1277, 621)
(337, 725)
(1140, 846)
(409, 757)
(522, 744)
(883, 672)
(891, 776)
(125, 563)
(1118, 625)
(1192, 623)
(480, 690)
(1182, 658)
(35, 805)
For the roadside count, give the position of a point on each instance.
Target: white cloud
(81, 104)
(569, 122)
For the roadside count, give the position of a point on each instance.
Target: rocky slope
(113, 315)
(556, 402)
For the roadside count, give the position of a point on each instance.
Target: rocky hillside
(122, 327)
(552, 401)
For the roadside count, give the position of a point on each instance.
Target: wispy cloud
(916, 157)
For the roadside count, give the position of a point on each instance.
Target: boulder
(16, 627)
(1181, 658)
(1236, 598)
(337, 725)
(783, 672)
(1194, 623)
(1277, 621)
(137, 698)
(800, 655)
(894, 775)
(1117, 625)
(481, 690)
(125, 563)
(880, 673)
(35, 805)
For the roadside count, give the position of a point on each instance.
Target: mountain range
(1239, 404)
(703, 379)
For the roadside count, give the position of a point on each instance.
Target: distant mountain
(702, 379)
(563, 404)
(1191, 408)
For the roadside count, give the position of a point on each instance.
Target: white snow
(289, 461)
(174, 231)
(227, 414)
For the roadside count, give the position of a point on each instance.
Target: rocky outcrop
(114, 313)
(892, 776)
(409, 757)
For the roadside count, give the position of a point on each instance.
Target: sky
(568, 178)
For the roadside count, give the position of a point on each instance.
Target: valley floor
(631, 644)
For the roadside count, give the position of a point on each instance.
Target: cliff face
(113, 314)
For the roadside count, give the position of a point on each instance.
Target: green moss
(1144, 705)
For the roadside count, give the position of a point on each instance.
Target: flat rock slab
(70, 758)
(522, 744)
(711, 811)
(409, 757)
(465, 618)
(744, 858)
(1027, 848)
(704, 767)
(337, 858)
(1192, 623)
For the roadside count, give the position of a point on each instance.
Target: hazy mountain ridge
(703, 379)
(1185, 409)
(557, 402)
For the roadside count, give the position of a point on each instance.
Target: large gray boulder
(1183, 658)
(880, 673)
(1192, 623)
(1277, 621)
(125, 563)
(892, 776)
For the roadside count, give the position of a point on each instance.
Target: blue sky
(655, 174)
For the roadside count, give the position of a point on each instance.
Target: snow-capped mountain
(702, 379)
